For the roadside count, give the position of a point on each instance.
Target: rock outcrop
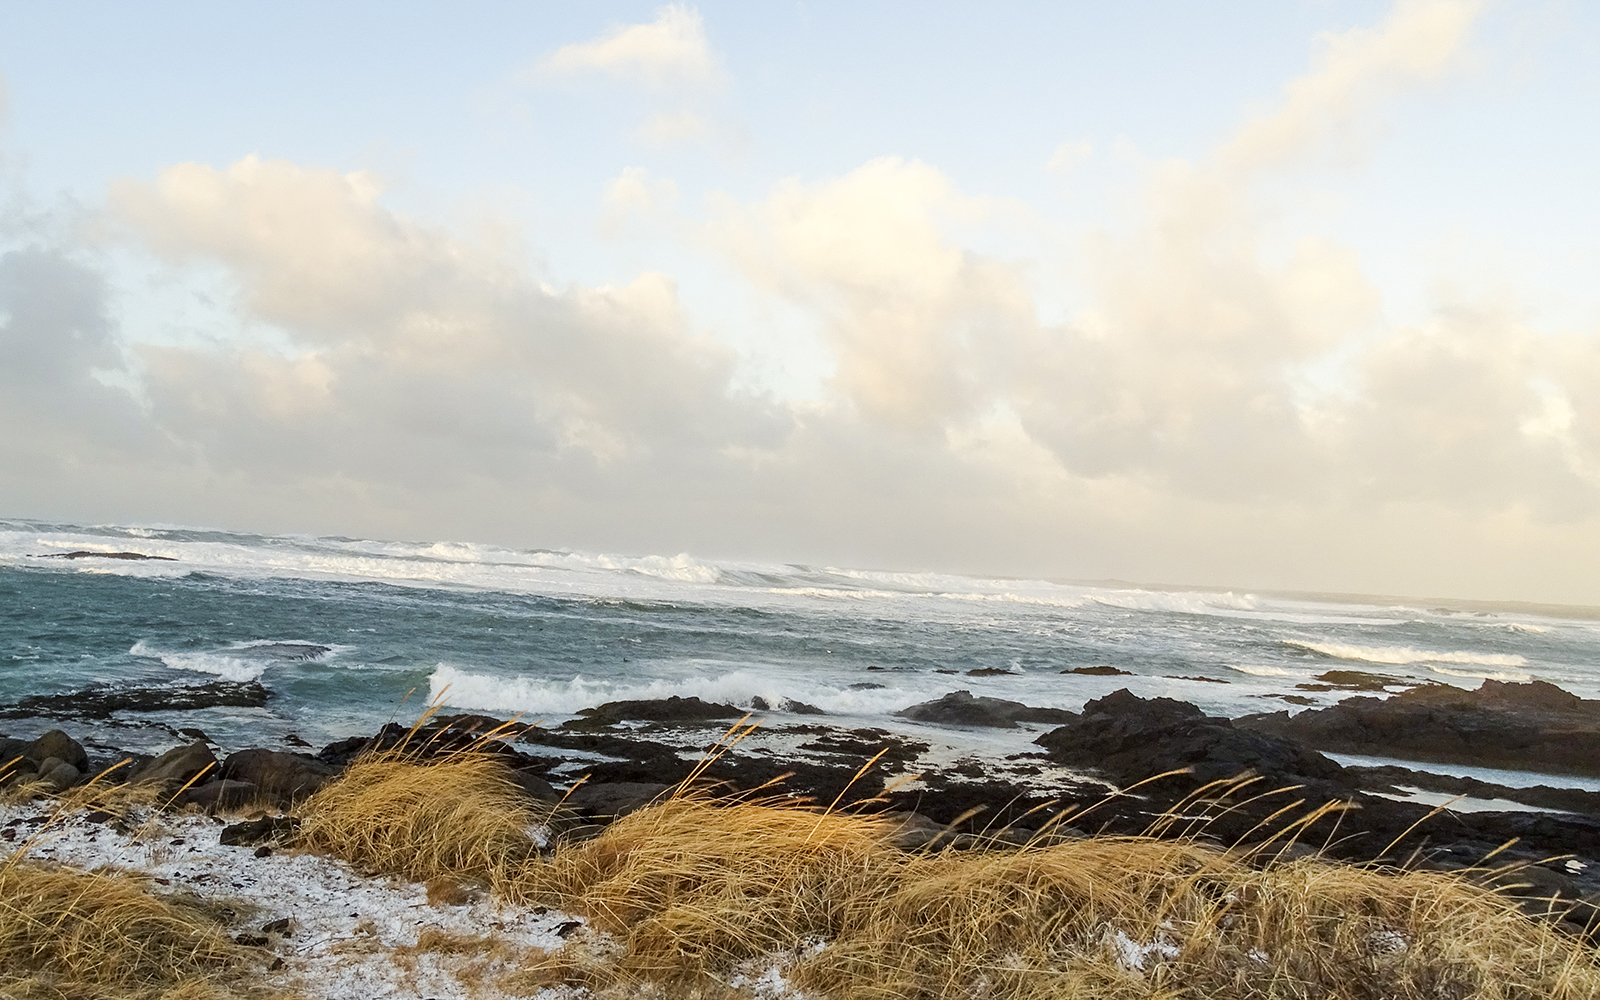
(1534, 726)
(960, 708)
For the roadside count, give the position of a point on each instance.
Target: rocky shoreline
(1124, 765)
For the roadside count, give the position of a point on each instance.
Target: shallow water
(547, 633)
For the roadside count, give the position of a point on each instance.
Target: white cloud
(1421, 40)
(673, 127)
(670, 50)
(1069, 154)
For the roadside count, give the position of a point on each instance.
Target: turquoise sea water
(546, 633)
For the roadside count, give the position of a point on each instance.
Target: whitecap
(1401, 655)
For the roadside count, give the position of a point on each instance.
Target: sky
(1268, 295)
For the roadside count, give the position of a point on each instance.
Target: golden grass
(72, 935)
(692, 890)
(461, 816)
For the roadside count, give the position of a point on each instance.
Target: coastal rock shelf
(1534, 726)
(1181, 772)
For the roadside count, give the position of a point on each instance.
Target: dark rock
(177, 766)
(85, 554)
(250, 940)
(665, 711)
(535, 786)
(1391, 778)
(101, 702)
(960, 708)
(991, 672)
(283, 925)
(1206, 680)
(759, 704)
(1100, 671)
(799, 708)
(1129, 738)
(221, 794)
(263, 851)
(267, 829)
(612, 799)
(1534, 726)
(57, 744)
(866, 686)
(60, 775)
(195, 733)
(566, 927)
(285, 777)
(1356, 680)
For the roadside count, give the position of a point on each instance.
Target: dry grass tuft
(71, 935)
(460, 817)
(691, 891)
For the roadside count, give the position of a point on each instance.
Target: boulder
(284, 777)
(960, 708)
(57, 744)
(12, 750)
(221, 794)
(60, 775)
(1533, 727)
(1100, 671)
(176, 767)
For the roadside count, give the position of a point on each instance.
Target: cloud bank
(1230, 407)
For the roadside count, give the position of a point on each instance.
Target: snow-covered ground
(347, 934)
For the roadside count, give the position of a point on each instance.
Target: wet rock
(86, 554)
(759, 704)
(100, 702)
(535, 786)
(57, 744)
(960, 708)
(176, 767)
(1100, 671)
(664, 711)
(799, 708)
(266, 830)
(613, 799)
(284, 777)
(1534, 726)
(221, 794)
(991, 672)
(1129, 738)
(1356, 680)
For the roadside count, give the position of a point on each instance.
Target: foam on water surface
(505, 630)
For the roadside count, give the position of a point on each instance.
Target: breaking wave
(1402, 655)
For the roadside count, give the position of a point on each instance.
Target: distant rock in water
(1357, 680)
(86, 554)
(1534, 727)
(991, 672)
(100, 702)
(960, 708)
(1100, 671)
(291, 651)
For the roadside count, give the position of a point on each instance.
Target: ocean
(349, 633)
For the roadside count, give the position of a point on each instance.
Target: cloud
(1069, 154)
(414, 348)
(1420, 41)
(1229, 403)
(674, 127)
(902, 307)
(670, 50)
